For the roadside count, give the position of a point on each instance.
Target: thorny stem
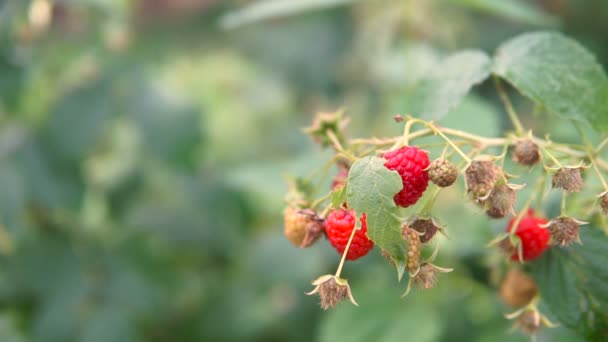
(350, 240)
(519, 128)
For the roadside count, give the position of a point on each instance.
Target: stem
(436, 130)
(406, 132)
(519, 128)
(601, 146)
(336, 143)
(599, 175)
(562, 210)
(427, 206)
(350, 240)
(551, 156)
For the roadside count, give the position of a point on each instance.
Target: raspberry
(517, 289)
(302, 227)
(564, 230)
(526, 152)
(338, 227)
(604, 203)
(442, 172)
(410, 162)
(534, 239)
(426, 227)
(481, 176)
(500, 202)
(568, 178)
(412, 239)
(340, 179)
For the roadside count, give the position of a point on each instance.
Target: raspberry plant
(384, 182)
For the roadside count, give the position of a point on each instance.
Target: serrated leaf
(370, 190)
(558, 73)
(557, 285)
(447, 84)
(573, 281)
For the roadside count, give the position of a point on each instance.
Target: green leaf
(573, 282)
(447, 84)
(558, 73)
(557, 284)
(338, 196)
(516, 10)
(370, 190)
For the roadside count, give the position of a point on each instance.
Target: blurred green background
(143, 144)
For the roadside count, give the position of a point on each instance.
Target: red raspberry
(339, 225)
(410, 162)
(534, 238)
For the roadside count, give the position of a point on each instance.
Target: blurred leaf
(370, 189)
(447, 84)
(573, 282)
(558, 73)
(270, 9)
(9, 330)
(77, 121)
(516, 10)
(384, 317)
(557, 284)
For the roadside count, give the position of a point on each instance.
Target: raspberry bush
(386, 188)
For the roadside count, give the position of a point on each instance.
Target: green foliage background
(142, 145)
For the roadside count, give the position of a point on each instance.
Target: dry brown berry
(517, 289)
(500, 202)
(604, 203)
(442, 172)
(564, 231)
(481, 176)
(332, 290)
(302, 226)
(426, 277)
(507, 247)
(530, 322)
(526, 152)
(568, 178)
(426, 227)
(412, 239)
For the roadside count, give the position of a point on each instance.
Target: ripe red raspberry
(410, 162)
(534, 238)
(338, 225)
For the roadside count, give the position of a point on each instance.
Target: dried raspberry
(604, 203)
(500, 201)
(412, 239)
(302, 227)
(481, 176)
(564, 230)
(529, 322)
(426, 278)
(332, 290)
(338, 226)
(426, 227)
(533, 237)
(517, 289)
(442, 172)
(410, 162)
(526, 152)
(568, 178)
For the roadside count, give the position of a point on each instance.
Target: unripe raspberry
(500, 202)
(412, 239)
(442, 172)
(564, 230)
(410, 162)
(426, 227)
(481, 176)
(526, 152)
(302, 227)
(568, 178)
(517, 289)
